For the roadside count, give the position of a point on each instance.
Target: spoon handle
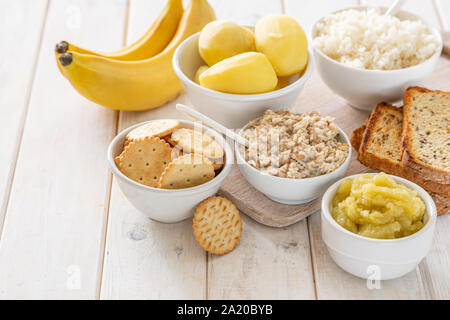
(446, 40)
(393, 9)
(214, 124)
(445, 30)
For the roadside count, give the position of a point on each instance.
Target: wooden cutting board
(316, 96)
(270, 213)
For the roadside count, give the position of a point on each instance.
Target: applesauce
(376, 206)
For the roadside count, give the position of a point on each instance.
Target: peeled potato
(223, 39)
(245, 73)
(199, 72)
(283, 41)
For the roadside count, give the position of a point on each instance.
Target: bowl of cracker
(167, 167)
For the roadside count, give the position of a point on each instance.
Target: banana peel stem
(65, 59)
(61, 47)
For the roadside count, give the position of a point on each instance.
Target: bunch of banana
(140, 76)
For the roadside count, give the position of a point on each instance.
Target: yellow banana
(152, 42)
(134, 85)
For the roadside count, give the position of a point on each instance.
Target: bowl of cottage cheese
(367, 57)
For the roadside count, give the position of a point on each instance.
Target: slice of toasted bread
(357, 135)
(381, 144)
(426, 133)
(380, 147)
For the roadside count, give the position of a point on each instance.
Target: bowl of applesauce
(376, 225)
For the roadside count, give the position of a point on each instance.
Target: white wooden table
(67, 231)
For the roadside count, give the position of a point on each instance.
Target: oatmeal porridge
(289, 145)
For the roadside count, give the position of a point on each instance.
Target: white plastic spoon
(394, 8)
(213, 124)
(445, 30)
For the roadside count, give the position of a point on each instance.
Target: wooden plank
(246, 12)
(445, 7)
(329, 278)
(146, 259)
(308, 12)
(281, 255)
(21, 24)
(53, 239)
(268, 263)
(435, 268)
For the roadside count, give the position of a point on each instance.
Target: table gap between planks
(68, 231)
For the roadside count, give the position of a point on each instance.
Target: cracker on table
(187, 171)
(157, 128)
(144, 160)
(197, 142)
(217, 225)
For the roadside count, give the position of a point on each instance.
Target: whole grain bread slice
(426, 133)
(357, 135)
(380, 147)
(381, 142)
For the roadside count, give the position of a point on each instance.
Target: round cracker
(157, 128)
(197, 142)
(144, 160)
(217, 225)
(187, 171)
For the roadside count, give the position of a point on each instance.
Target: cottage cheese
(367, 39)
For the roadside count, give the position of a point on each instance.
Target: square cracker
(144, 160)
(187, 171)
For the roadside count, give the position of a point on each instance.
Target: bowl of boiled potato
(233, 73)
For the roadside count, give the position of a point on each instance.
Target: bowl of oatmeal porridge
(293, 158)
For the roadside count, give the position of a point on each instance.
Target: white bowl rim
(192, 190)
(328, 197)
(375, 71)
(291, 180)
(238, 97)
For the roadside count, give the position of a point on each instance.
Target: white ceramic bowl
(377, 258)
(164, 205)
(363, 89)
(231, 110)
(291, 191)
